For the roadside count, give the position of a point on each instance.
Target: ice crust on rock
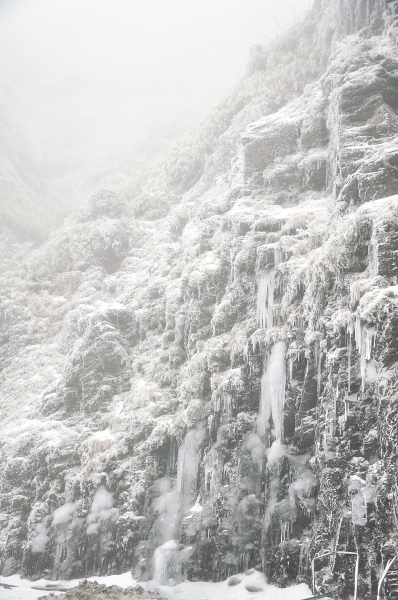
(195, 378)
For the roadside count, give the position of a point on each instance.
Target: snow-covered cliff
(199, 372)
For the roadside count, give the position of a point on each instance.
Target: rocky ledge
(89, 590)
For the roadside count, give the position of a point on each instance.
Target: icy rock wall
(199, 376)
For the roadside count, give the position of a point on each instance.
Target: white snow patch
(101, 441)
(65, 513)
(275, 453)
(101, 510)
(203, 590)
(16, 588)
(197, 507)
(41, 538)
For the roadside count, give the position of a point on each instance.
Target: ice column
(318, 363)
(188, 464)
(350, 331)
(173, 505)
(213, 471)
(272, 397)
(374, 258)
(165, 565)
(365, 339)
(279, 256)
(265, 299)
(267, 282)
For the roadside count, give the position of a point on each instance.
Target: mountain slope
(198, 376)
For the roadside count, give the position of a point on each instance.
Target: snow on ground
(238, 587)
(16, 588)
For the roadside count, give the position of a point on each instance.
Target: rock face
(201, 377)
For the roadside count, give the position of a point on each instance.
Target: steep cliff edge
(200, 377)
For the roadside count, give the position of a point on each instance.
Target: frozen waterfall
(173, 505)
(166, 569)
(267, 284)
(365, 339)
(272, 397)
(265, 298)
(188, 464)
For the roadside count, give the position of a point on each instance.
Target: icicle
(318, 384)
(246, 351)
(336, 544)
(223, 404)
(329, 430)
(285, 531)
(374, 258)
(350, 331)
(265, 299)
(217, 402)
(291, 362)
(188, 462)
(370, 341)
(272, 398)
(304, 560)
(268, 281)
(227, 406)
(336, 397)
(279, 256)
(325, 437)
(365, 339)
(212, 467)
(358, 334)
(173, 504)
(318, 363)
(331, 425)
(165, 565)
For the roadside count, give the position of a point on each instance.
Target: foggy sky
(90, 80)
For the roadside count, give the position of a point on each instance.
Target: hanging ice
(279, 256)
(265, 299)
(165, 565)
(267, 282)
(173, 504)
(365, 338)
(166, 506)
(188, 464)
(272, 397)
(213, 468)
(350, 331)
(374, 258)
(318, 363)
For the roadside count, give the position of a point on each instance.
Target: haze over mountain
(99, 87)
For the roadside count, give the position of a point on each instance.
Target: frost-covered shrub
(257, 59)
(178, 219)
(96, 368)
(104, 242)
(177, 354)
(225, 314)
(105, 203)
(218, 355)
